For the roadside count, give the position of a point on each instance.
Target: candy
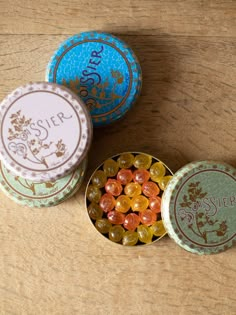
(110, 167)
(158, 228)
(116, 233)
(144, 234)
(155, 204)
(141, 176)
(93, 193)
(116, 217)
(124, 176)
(148, 217)
(94, 211)
(150, 189)
(131, 222)
(103, 225)
(99, 179)
(142, 161)
(125, 160)
(107, 202)
(123, 203)
(164, 181)
(132, 189)
(157, 171)
(130, 238)
(139, 203)
(113, 187)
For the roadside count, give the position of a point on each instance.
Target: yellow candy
(144, 234)
(99, 179)
(93, 193)
(130, 238)
(125, 160)
(103, 225)
(139, 203)
(158, 228)
(164, 181)
(116, 233)
(94, 211)
(133, 189)
(123, 203)
(110, 167)
(143, 161)
(157, 171)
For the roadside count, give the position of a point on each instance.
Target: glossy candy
(113, 187)
(110, 167)
(124, 176)
(130, 238)
(103, 225)
(99, 179)
(148, 217)
(116, 233)
(133, 189)
(139, 203)
(144, 234)
(116, 217)
(155, 204)
(157, 171)
(123, 203)
(158, 228)
(164, 181)
(141, 176)
(93, 193)
(131, 222)
(125, 160)
(107, 202)
(94, 211)
(150, 189)
(142, 161)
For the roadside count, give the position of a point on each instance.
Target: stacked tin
(132, 198)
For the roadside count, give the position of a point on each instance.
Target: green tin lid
(35, 194)
(199, 207)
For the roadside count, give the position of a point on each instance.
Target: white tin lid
(46, 131)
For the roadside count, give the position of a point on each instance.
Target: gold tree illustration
(98, 92)
(34, 146)
(199, 221)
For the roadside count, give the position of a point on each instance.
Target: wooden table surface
(52, 261)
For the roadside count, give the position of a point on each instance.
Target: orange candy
(148, 217)
(141, 176)
(155, 204)
(113, 187)
(107, 202)
(131, 222)
(124, 176)
(150, 189)
(116, 217)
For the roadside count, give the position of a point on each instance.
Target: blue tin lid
(102, 70)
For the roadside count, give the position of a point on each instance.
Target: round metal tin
(102, 70)
(46, 131)
(35, 194)
(199, 207)
(101, 190)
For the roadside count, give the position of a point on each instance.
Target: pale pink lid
(46, 131)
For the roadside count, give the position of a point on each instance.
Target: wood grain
(177, 17)
(52, 260)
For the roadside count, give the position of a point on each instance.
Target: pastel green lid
(199, 207)
(35, 194)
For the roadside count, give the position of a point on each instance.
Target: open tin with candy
(123, 198)
(134, 199)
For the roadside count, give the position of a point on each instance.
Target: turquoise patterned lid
(199, 207)
(35, 194)
(102, 70)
